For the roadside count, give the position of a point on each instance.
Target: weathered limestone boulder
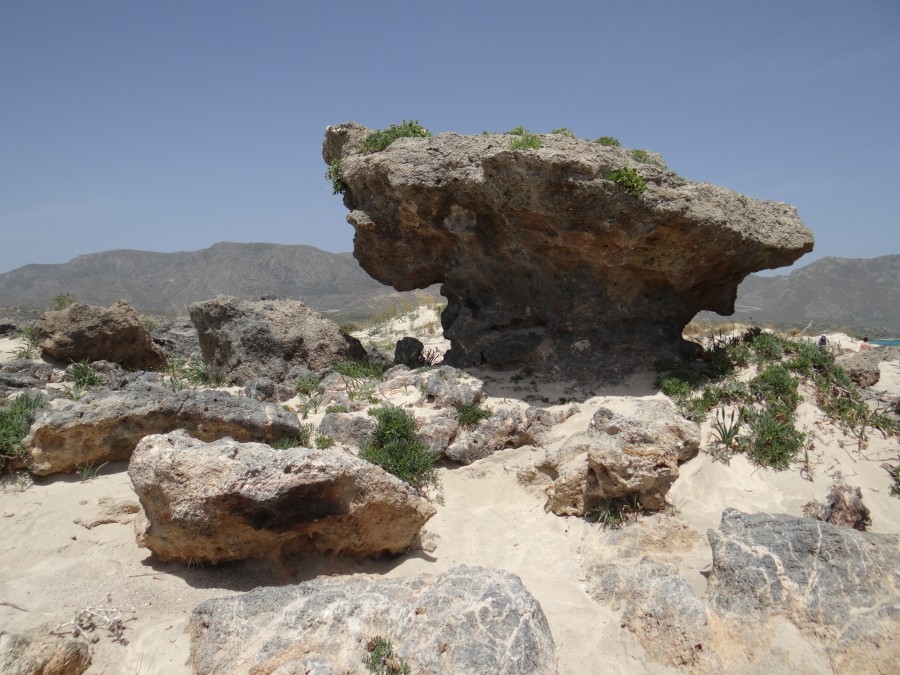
(505, 428)
(467, 620)
(84, 332)
(178, 339)
(660, 609)
(347, 428)
(38, 652)
(862, 367)
(227, 500)
(544, 261)
(835, 583)
(448, 387)
(438, 431)
(621, 457)
(106, 426)
(243, 340)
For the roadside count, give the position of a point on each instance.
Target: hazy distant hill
(862, 294)
(164, 283)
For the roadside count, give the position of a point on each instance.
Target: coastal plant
(726, 429)
(613, 514)
(525, 141)
(16, 417)
(629, 179)
(380, 658)
(365, 369)
(84, 376)
(88, 471)
(643, 157)
(192, 371)
(30, 346)
(470, 414)
(379, 140)
(336, 408)
(324, 442)
(564, 131)
(307, 383)
(894, 472)
(397, 448)
(62, 300)
(608, 141)
(774, 441)
(300, 440)
(333, 174)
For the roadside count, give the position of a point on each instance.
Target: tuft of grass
(564, 131)
(613, 514)
(16, 418)
(308, 383)
(608, 141)
(379, 140)
(299, 441)
(333, 174)
(363, 369)
(324, 442)
(336, 408)
(643, 157)
(150, 324)
(84, 376)
(398, 449)
(88, 471)
(525, 141)
(62, 300)
(30, 346)
(381, 659)
(629, 179)
(192, 371)
(471, 414)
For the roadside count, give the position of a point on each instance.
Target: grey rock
(862, 367)
(242, 341)
(42, 372)
(832, 582)
(37, 653)
(505, 428)
(660, 609)
(545, 262)
(84, 332)
(226, 500)
(18, 381)
(621, 457)
(347, 428)
(106, 426)
(843, 506)
(178, 339)
(467, 620)
(408, 352)
(438, 431)
(448, 387)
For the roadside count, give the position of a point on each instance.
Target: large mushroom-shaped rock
(544, 260)
(467, 620)
(106, 426)
(84, 332)
(621, 457)
(220, 501)
(242, 340)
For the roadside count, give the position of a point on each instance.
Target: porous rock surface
(836, 583)
(621, 457)
(862, 367)
(543, 261)
(38, 652)
(225, 500)
(467, 620)
(106, 426)
(84, 332)
(242, 340)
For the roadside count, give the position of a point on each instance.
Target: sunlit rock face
(544, 262)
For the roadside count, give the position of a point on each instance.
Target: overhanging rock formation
(544, 262)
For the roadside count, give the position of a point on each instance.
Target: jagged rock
(37, 653)
(467, 620)
(347, 428)
(178, 339)
(835, 583)
(242, 340)
(38, 370)
(660, 609)
(408, 352)
(505, 428)
(107, 425)
(84, 332)
(227, 500)
(545, 262)
(844, 507)
(448, 387)
(438, 431)
(621, 457)
(862, 367)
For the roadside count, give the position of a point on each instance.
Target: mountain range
(858, 294)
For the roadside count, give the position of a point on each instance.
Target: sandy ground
(56, 561)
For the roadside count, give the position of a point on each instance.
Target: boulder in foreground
(545, 260)
(220, 501)
(467, 620)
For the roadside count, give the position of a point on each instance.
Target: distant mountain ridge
(858, 293)
(165, 283)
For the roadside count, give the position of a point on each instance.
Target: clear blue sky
(170, 126)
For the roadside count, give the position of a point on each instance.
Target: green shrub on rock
(398, 449)
(379, 140)
(629, 179)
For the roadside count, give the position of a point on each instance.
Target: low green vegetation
(608, 141)
(191, 372)
(16, 417)
(324, 442)
(471, 414)
(564, 131)
(84, 376)
(336, 408)
(525, 139)
(643, 157)
(62, 300)
(379, 140)
(308, 383)
(333, 174)
(398, 449)
(629, 179)
(613, 514)
(300, 440)
(762, 423)
(361, 369)
(381, 659)
(30, 346)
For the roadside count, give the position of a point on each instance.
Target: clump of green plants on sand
(362, 369)
(762, 421)
(191, 372)
(629, 179)
(379, 140)
(380, 658)
(471, 414)
(30, 346)
(608, 141)
(84, 376)
(16, 417)
(525, 140)
(300, 440)
(398, 449)
(613, 514)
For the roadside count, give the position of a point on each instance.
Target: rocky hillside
(165, 283)
(862, 294)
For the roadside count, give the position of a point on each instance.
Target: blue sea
(885, 343)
